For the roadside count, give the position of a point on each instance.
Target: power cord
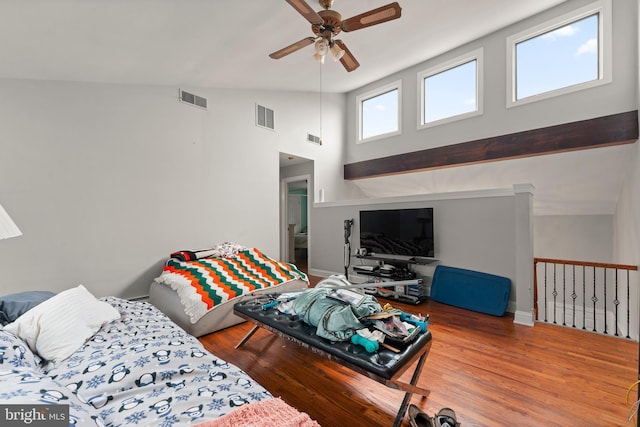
(633, 408)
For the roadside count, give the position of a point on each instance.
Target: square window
(379, 113)
(563, 55)
(451, 91)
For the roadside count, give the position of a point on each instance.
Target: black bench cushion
(384, 363)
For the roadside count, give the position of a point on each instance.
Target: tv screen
(407, 232)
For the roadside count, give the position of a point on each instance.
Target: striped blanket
(205, 283)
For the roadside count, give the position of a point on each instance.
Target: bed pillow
(60, 325)
(15, 305)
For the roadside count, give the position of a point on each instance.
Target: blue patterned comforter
(140, 370)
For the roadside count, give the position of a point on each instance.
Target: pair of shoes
(446, 417)
(417, 418)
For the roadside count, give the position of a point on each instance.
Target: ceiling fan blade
(348, 60)
(292, 48)
(305, 10)
(372, 17)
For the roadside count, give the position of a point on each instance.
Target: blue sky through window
(380, 114)
(451, 92)
(560, 58)
(566, 56)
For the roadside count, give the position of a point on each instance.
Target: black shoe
(417, 418)
(446, 417)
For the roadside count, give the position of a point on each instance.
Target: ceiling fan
(327, 23)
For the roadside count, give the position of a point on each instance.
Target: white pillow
(60, 325)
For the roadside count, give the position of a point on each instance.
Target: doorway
(295, 215)
(298, 223)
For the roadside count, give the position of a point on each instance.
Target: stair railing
(592, 296)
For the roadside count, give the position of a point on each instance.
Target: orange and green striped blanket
(204, 283)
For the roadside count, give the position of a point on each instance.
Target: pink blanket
(266, 413)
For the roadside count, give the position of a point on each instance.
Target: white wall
(574, 237)
(620, 95)
(616, 97)
(471, 231)
(106, 180)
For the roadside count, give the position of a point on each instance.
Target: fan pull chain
(320, 65)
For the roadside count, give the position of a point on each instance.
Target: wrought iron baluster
(604, 276)
(564, 295)
(546, 304)
(628, 308)
(616, 303)
(584, 297)
(594, 298)
(555, 294)
(574, 296)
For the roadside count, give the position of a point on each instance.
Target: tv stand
(400, 271)
(400, 259)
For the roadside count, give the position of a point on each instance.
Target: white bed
(219, 317)
(124, 363)
(199, 294)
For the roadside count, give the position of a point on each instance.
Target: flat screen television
(406, 232)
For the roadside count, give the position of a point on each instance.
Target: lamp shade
(336, 52)
(8, 228)
(321, 48)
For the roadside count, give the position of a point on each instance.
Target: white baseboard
(523, 318)
(588, 314)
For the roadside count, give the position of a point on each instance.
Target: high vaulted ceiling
(225, 44)
(216, 43)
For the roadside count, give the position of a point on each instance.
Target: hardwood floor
(491, 371)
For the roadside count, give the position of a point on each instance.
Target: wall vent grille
(190, 98)
(314, 139)
(264, 117)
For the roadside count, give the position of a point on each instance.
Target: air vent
(264, 117)
(189, 98)
(314, 139)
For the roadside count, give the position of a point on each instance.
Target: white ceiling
(216, 43)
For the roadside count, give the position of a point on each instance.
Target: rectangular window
(379, 113)
(451, 91)
(566, 54)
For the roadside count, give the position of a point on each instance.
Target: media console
(394, 268)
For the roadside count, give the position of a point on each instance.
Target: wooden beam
(603, 131)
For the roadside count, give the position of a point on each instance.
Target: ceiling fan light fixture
(336, 52)
(328, 23)
(321, 48)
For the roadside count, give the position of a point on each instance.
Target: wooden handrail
(586, 263)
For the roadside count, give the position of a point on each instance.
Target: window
(379, 113)
(451, 91)
(564, 55)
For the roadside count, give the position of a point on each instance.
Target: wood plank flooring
(491, 371)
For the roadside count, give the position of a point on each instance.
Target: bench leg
(407, 396)
(246, 337)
